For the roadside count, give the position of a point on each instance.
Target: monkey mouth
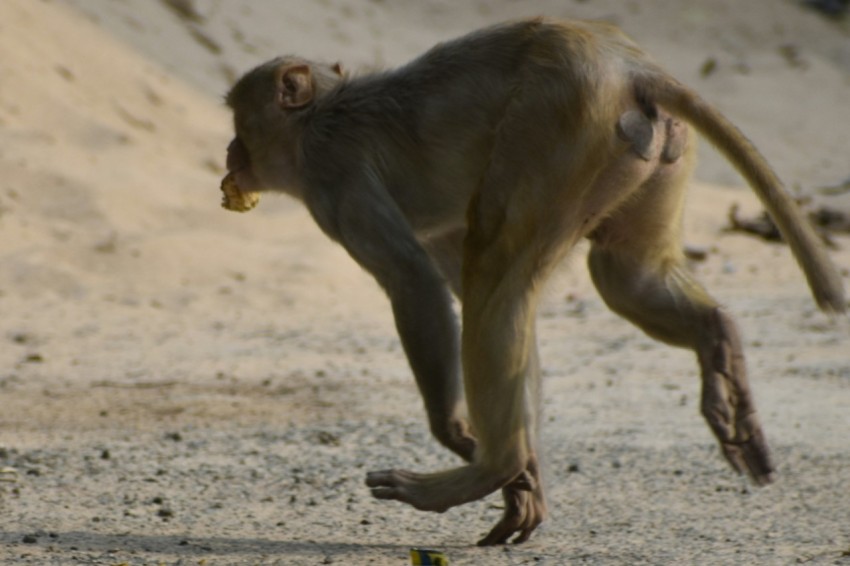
(245, 178)
(239, 166)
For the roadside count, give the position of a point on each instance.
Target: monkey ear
(296, 87)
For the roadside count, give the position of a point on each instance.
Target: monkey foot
(435, 492)
(727, 403)
(741, 439)
(525, 509)
(747, 451)
(404, 486)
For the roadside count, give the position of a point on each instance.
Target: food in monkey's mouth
(236, 199)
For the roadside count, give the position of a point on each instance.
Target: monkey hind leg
(661, 297)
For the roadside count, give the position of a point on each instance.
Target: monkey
(471, 172)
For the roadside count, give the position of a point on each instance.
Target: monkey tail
(822, 276)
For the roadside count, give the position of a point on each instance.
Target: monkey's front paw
(525, 509)
(235, 198)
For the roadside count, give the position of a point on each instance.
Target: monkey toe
(387, 484)
(743, 445)
(749, 453)
(752, 460)
(385, 493)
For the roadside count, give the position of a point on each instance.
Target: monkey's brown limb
(447, 425)
(672, 307)
(727, 403)
(447, 252)
(646, 281)
(377, 238)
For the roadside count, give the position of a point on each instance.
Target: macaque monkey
(472, 171)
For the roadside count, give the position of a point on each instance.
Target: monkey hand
(235, 198)
(525, 509)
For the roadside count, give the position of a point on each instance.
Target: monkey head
(267, 103)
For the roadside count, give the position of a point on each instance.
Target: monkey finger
(525, 524)
(751, 457)
(754, 453)
(510, 521)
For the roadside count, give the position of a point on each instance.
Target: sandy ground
(183, 385)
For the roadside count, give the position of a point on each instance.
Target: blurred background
(757, 60)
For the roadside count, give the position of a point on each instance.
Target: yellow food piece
(423, 557)
(236, 199)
